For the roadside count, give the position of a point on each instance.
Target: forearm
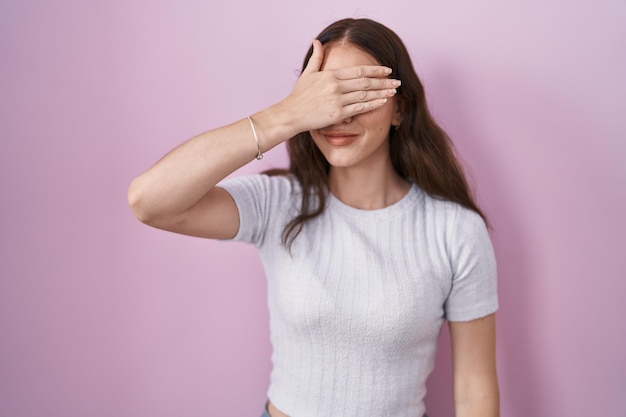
(476, 391)
(183, 176)
(477, 398)
(320, 98)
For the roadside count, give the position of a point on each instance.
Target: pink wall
(101, 316)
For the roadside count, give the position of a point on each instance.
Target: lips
(339, 138)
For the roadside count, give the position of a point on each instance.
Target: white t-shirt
(357, 306)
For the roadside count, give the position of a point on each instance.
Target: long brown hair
(420, 150)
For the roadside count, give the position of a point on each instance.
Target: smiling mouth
(339, 138)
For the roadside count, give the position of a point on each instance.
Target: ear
(397, 114)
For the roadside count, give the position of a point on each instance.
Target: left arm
(474, 362)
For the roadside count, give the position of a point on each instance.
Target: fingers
(366, 94)
(367, 84)
(362, 71)
(362, 107)
(363, 96)
(315, 62)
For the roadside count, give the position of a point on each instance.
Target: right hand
(323, 98)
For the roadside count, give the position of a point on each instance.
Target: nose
(343, 122)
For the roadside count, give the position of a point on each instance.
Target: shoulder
(446, 211)
(287, 182)
(264, 202)
(466, 236)
(450, 210)
(261, 186)
(451, 221)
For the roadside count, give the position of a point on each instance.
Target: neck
(366, 188)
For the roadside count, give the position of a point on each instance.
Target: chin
(339, 161)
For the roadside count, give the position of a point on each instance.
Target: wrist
(275, 125)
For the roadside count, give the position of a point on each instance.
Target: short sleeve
(260, 199)
(474, 292)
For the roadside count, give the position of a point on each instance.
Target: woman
(370, 240)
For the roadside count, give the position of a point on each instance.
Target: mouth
(339, 138)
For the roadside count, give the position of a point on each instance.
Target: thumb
(315, 62)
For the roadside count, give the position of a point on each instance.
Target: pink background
(102, 316)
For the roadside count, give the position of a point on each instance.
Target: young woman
(370, 240)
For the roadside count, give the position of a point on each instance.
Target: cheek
(315, 137)
(317, 141)
(377, 121)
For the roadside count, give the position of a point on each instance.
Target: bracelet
(259, 155)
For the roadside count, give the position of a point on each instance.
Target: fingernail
(397, 83)
(388, 70)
